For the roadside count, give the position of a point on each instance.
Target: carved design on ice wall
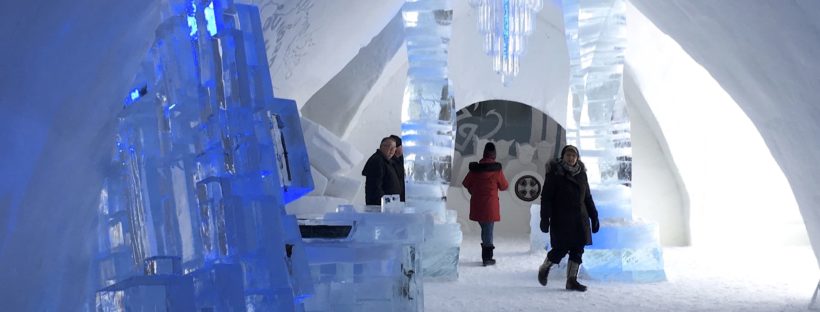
(288, 34)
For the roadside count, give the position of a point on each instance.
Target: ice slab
(625, 234)
(624, 265)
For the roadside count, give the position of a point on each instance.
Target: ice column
(428, 123)
(192, 213)
(625, 249)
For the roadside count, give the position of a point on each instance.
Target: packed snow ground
(699, 279)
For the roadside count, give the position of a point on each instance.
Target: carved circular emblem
(527, 188)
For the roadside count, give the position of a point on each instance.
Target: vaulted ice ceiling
(66, 65)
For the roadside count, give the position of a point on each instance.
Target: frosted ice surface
(328, 153)
(343, 187)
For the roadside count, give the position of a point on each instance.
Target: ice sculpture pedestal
(625, 249)
(361, 261)
(441, 249)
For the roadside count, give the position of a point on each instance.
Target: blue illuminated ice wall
(626, 248)
(192, 211)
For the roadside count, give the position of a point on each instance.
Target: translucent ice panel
(365, 261)
(626, 265)
(625, 234)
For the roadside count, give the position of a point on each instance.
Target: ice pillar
(428, 123)
(625, 248)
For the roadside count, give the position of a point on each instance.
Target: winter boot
(544, 271)
(487, 255)
(572, 277)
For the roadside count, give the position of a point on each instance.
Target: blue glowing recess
(209, 16)
(135, 94)
(192, 25)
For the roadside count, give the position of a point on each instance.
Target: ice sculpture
(428, 129)
(192, 213)
(625, 249)
(506, 26)
(365, 261)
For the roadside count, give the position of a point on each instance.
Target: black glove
(545, 225)
(595, 225)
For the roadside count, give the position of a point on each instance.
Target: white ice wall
(658, 192)
(737, 194)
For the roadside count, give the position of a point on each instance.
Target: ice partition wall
(625, 248)
(191, 216)
(427, 129)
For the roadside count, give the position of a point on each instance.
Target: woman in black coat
(568, 212)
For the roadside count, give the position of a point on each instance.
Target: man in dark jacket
(380, 175)
(568, 214)
(398, 163)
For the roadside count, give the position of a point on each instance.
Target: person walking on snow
(483, 182)
(568, 213)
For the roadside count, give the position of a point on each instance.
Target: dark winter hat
(397, 139)
(489, 149)
(570, 148)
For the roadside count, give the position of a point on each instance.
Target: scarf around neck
(572, 170)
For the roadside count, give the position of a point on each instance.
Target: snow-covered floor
(751, 279)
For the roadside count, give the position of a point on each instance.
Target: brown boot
(572, 277)
(544, 271)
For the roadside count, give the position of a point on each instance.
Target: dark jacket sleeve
(590, 204)
(373, 182)
(547, 194)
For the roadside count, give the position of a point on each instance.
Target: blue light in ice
(264, 173)
(135, 94)
(192, 25)
(209, 16)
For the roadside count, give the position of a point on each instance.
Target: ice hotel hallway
(699, 279)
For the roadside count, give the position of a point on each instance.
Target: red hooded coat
(483, 182)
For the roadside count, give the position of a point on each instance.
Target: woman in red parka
(483, 182)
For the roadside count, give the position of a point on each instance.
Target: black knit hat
(570, 148)
(489, 149)
(397, 139)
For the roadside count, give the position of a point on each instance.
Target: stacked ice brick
(365, 261)
(625, 249)
(360, 259)
(192, 213)
(428, 123)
